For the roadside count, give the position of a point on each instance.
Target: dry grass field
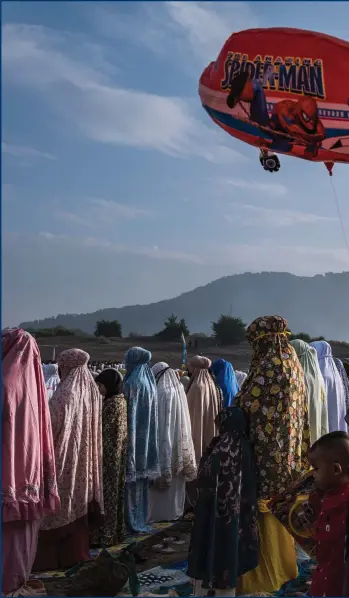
(114, 350)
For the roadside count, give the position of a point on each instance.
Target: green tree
(173, 329)
(228, 330)
(108, 329)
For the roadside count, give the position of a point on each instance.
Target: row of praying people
(111, 455)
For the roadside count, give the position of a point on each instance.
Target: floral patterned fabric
(224, 541)
(29, 487)
(77, 435)
(274, 400)
(114, 418)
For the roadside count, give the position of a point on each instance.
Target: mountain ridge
(314, 304)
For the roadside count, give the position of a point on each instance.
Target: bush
(229, 331)
(173, 329)
(50, 332)
(108, 329)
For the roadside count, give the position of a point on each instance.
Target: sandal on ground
(163, 549)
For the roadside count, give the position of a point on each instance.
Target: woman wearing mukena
(275, 402)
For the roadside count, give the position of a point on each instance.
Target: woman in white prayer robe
(176, 449)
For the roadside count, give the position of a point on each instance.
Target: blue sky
(117, 188)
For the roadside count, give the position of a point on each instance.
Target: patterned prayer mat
(160, 580)
(156, 528)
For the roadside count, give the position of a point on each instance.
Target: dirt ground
(114, 350)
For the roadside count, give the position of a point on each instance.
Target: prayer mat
(161, 579)
(180, 582)
(94, 552)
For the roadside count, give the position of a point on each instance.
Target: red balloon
(284, 91)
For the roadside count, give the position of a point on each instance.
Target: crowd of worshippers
(94, 452)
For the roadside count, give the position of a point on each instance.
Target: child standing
(329, 457)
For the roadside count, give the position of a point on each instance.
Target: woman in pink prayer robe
(76, 415)
(29, 488)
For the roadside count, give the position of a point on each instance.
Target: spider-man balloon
(283, 90)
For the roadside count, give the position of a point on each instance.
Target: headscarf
(76, 417)
(335, 391)
(52, 379)
(226, 380)
(241, 377)
(142, 415)
(176, 447)
(204, 403)
(317, 400)
(274, 400)
(29, 487)
(112, 380)
(343, 374)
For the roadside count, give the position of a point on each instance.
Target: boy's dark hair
(329, 440)
(336, 443)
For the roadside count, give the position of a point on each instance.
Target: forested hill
(318, 305)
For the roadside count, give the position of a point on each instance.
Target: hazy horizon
(159, 300)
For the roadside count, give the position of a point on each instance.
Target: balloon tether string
(339, 214)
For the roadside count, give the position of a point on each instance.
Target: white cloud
(188, 33)
(112, 208)
(71, 218)
(274, 190)
(102, 111)
(240, 257)
(155, 252)
(95, 213)
(207, 25)
(250, 215)
(47, 236)
(29, 50)
(274, 257)
(23, 151)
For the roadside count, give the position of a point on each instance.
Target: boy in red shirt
(329, 457)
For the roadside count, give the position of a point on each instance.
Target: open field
(114, 350)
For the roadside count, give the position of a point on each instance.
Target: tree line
(227, 330)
